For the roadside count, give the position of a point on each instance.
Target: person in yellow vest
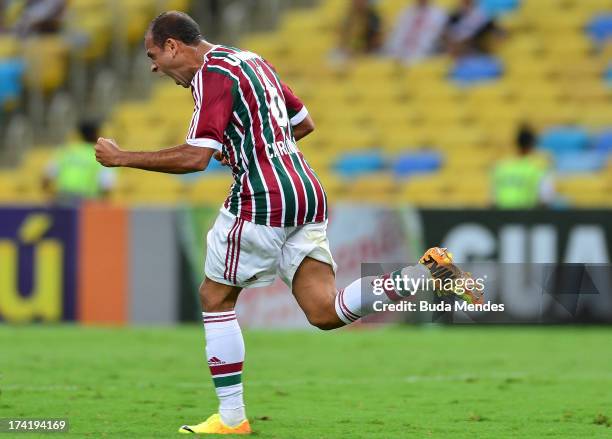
(74, 174)
(523, 181)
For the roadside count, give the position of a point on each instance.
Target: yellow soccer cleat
(214, 425)
(439, 261)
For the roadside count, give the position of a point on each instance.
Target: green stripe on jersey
(286, 185)
(311, 194)
(265, 113)
(260, 214)
(235, 141)
(229, 380)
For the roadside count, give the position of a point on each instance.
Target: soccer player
(275, 217)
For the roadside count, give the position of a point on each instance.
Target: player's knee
(325, 321)
(215, 302)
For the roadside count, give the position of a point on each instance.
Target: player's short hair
(176, 25)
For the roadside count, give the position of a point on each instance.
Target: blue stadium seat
(475, 69)
(561, 140)
(602, 142)
(359, 163)
(580, 162)
(608, 74)
(600, 28)
(11, 72)
(412, 163)
(498, 7)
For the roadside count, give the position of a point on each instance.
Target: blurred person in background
(524, 181)
(361, 31)
(37, 16)
(468, 29)
(74, 174)
(417, 32)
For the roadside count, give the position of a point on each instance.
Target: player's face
(166, 60)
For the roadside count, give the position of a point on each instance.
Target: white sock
(357, 299)
(225, 355)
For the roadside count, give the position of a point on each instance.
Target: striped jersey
(244, 110)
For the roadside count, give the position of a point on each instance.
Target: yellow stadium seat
(47, 62)
(469, 159)
(407, 138)
(429, 70)
(267, 45)
(353, 140)
(300, 22)
(9, 186)
(595, 116)
(376, 188)
(568, 49)
(212, 189)
(527, 69)
(376, 70)
(133, 19)
(583, 183)
(142, 187)
(427, 189)
(92, 19)
(9, 46)
(493, 113)
(497, 92)
(37, 159)
(174, 5)
(334, 185)
(427, 90)
(445, 113)
(537, 90)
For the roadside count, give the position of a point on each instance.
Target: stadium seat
(373, 188)
(9, 46)
(47, 62)
(608, 75)
(11, 71)
(585, 161)
(408, 164)
(564, 139)
(600, 28)
(209, 189)
(498, 7)
(476, 69)
(602, 142)
(138, 187)
(355, 164)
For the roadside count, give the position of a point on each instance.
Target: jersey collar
(204, 61)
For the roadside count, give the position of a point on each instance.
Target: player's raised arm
(179, 159)
(212, 113)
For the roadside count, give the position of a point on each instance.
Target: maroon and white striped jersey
(244, 110)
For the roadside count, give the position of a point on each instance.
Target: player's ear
(172, 46)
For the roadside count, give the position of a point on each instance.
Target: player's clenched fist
(108, 153)
(221, 158)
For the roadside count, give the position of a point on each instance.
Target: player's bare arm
(181, 159)
(304, 128)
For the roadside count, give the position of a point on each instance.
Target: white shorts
(248, 255)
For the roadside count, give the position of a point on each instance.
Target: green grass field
(459, 382)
